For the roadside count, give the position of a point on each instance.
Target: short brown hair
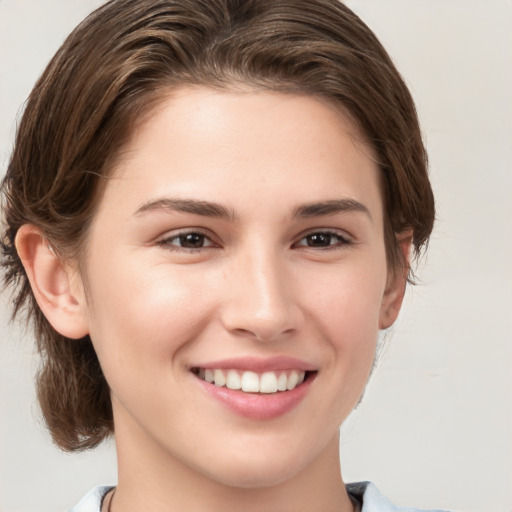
(114, 68)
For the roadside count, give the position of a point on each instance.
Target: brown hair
(114, 68)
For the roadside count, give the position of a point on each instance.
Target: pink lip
(259, 365)
(257, 406)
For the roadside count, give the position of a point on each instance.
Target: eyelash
(167, 242)
(341, 240)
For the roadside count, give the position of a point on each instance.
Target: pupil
(319, 240)
(192, 240)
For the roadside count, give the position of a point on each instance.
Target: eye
(187, 240)
(323, 239)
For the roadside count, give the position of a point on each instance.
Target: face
(239, 240)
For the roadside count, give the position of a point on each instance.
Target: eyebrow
(170, 205)
(211, 209)
(331, 207)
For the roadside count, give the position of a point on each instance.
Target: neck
(149, 480)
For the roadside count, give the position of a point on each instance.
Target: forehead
(246, 145)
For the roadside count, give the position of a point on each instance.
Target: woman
(211, 212)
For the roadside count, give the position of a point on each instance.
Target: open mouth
(251, 382)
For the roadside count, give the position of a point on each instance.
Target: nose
(261, 302)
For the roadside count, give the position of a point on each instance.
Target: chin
(256, 477)
(260, 468)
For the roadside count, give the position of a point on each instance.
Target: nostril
(263, 311)
(263, 331)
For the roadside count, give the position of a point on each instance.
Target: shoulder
(91, 502)
(373, 501)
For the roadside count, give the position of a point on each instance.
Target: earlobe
(58, 295)
(395, 288)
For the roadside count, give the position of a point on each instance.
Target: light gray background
(435, 429)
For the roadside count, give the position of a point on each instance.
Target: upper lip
(259, 365)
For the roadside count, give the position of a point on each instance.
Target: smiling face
(240, 241)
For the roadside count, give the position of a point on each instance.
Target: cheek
(344, 308)
(346, 300)
(136, 323)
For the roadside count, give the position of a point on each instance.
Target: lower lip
(258, 406)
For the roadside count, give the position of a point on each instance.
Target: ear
(395, 287)
(56, 287)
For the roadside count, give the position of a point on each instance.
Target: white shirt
(365, 492)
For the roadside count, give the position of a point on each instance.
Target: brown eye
(191, 240)
(187, 240)
(321, 239)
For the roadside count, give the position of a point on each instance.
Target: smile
(252, 382)
(256, 388)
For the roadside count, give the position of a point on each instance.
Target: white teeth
(208, 376)
(282, 382)
(292, 380)
(252, 382)
(268, 383)
(219, 378)
(233, 380)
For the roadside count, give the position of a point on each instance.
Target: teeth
(282, 382)
(268, 382)
(219, 378)
(292, 380)
(233, 380)
(251, 382)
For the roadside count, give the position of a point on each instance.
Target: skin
(255, 288)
